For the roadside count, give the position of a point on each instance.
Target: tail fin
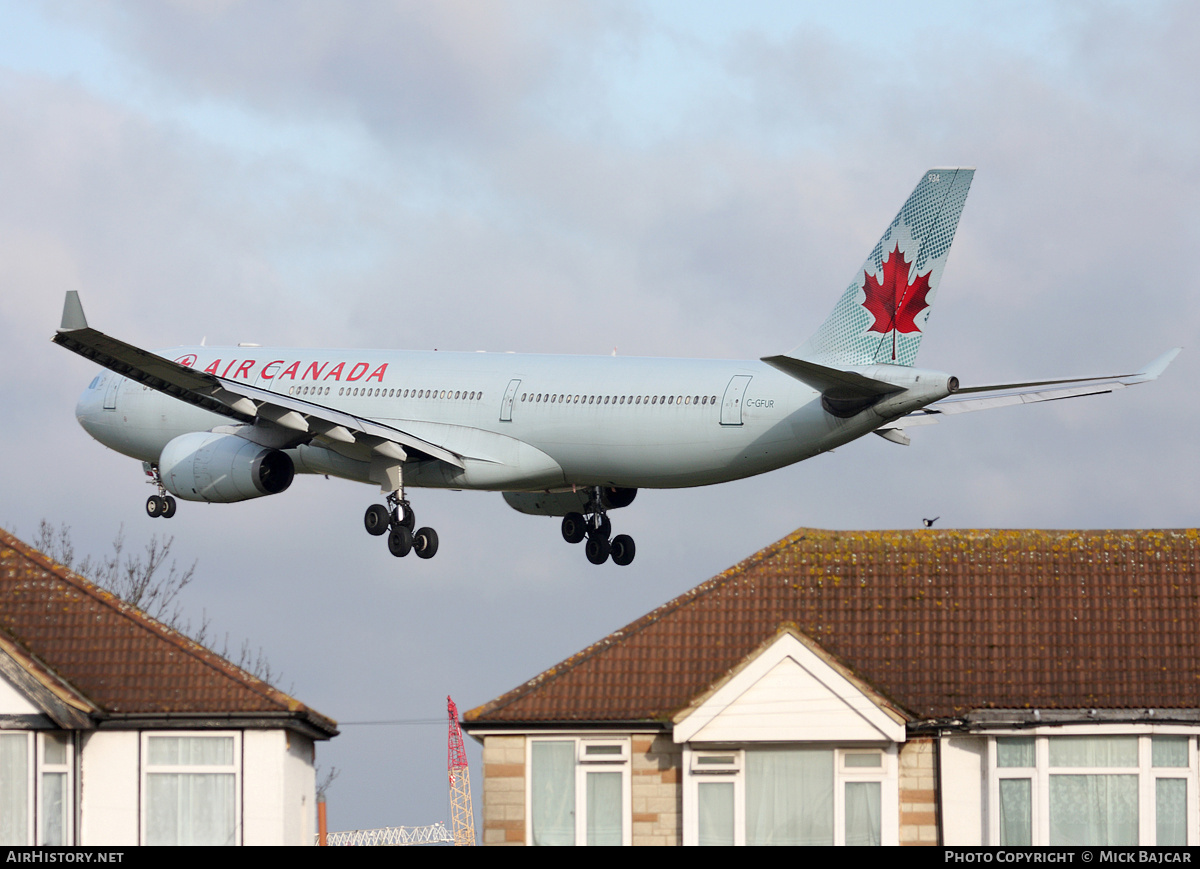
(882, 315)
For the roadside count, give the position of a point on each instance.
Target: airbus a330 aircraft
(558, 435)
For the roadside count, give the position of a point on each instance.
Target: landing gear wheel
(155, 506)
(377, 519)
(168, 507)
(597, 550)
(400, 541)
(623, 549)
(425, 543)
(600, 526)
(574, 528)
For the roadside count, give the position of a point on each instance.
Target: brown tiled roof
(124, 664)
(940, 622)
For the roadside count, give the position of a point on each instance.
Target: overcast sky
(666, 179)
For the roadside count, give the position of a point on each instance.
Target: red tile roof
(72, 636)
(940, 622)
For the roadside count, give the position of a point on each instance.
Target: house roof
(70, 642)
(941, 622)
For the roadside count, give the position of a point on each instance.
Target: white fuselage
(521, 422)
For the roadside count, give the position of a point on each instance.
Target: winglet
(72, 313)
(1153, 369)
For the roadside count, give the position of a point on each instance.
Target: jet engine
(221, 468)
(562, 503)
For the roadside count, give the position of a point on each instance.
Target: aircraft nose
(87, 409)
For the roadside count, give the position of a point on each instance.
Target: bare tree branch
(325, 780)
(152, 582)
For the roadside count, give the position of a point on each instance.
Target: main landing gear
(596, 527)
(161, 504)
(397, 521)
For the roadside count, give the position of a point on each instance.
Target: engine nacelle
(562, 503)
(221, 468)
(614, 497)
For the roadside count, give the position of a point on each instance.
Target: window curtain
(604, 808)
(1169, 751)
(14, 789)
(1015, 751)
(1016, 811)
(191, 751)
(1170, 816)
(863, 823)
(54, 802)
(1096, 751)
(716, 813)
(552, 793)
(190, 809)
(789, 796)
(1093, 809)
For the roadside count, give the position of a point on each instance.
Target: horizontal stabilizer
(1148, 372)
(844, 384)
(972, 398)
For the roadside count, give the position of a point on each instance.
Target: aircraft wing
(973, 398)
(288, 417)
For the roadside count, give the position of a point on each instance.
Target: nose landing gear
(161, 504)
(596, 527)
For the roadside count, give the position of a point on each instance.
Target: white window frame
(149, 770)
(30, 777)
(617, 761)
(1147, 774)
(35, 767)
(886, 775)
(68, 768)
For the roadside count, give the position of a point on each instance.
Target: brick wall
(918, 793)
(503, 790)
(657, 795)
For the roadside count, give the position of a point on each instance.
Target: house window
(54, 762)
(578, 792)
(789, 795)
(44, 759)
(1107, 789)
(16, 788)
(191, 789)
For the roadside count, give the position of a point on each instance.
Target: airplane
(565, 436)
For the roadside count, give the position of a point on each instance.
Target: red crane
(462, 817)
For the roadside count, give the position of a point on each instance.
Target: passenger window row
(379, 392)
(551, 398)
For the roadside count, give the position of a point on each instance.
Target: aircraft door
(110, 394)
(510, 395)
(731, 404)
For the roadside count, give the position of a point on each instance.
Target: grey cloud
(432, 72)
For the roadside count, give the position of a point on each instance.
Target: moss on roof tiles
(120, 659)
(940, 621)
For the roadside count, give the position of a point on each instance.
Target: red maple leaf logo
(894, 302)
